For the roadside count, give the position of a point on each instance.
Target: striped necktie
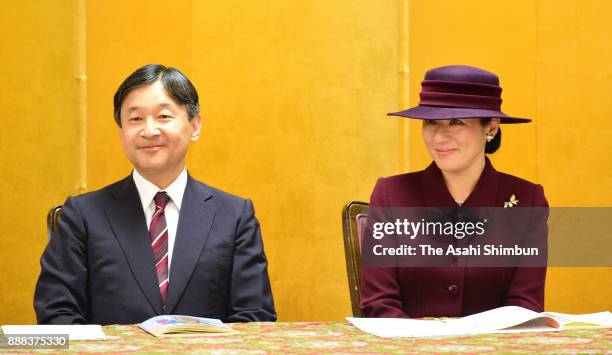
(158, 232)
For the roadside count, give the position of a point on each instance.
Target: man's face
(156, 132)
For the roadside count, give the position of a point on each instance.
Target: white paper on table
(507, 319)
(602, 318)
(496, 319)
(513, 319)
(75, 332)
(408, 328)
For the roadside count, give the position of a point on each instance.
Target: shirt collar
(147, 190)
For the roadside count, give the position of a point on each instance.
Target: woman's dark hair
(492, 146)
(175, 83)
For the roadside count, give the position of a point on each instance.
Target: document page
(408, 328)
(599, 319)
(498, 318)
(508, 319)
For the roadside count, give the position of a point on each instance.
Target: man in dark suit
(159, 241)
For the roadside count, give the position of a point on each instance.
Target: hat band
(461, 87)
(461, 101)
(460, 94)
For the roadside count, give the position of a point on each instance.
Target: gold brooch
(513, 202)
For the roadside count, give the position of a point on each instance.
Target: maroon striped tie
(158, 231)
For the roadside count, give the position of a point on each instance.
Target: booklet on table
(177, 325)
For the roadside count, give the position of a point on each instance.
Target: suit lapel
(128, 222)
(485, 191)
(195, 221)
(436, 193)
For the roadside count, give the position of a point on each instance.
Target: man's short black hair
(175, 83)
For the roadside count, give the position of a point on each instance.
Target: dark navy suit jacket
(453, 291)
(99, 268)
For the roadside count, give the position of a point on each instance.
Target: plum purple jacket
(399, 292)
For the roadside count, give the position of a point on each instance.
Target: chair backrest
(52, 216)
(354, 217)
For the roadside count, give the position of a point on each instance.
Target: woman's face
(457, 144)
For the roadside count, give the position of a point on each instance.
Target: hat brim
(445, 113)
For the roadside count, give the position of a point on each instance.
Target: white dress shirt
(175, 190)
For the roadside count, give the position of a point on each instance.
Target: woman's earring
(489, 137)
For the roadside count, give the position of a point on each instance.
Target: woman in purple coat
(460, 108)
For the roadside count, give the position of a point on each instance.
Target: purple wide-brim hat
(459, 91)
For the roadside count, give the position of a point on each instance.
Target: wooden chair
(354, 217)
(52, 216)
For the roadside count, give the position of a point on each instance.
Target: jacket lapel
(127, 221)
(485, 191)
(435, 193)
(195, 221)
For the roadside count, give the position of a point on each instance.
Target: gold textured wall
(555, 65)
(38, 140)
(293, 96)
